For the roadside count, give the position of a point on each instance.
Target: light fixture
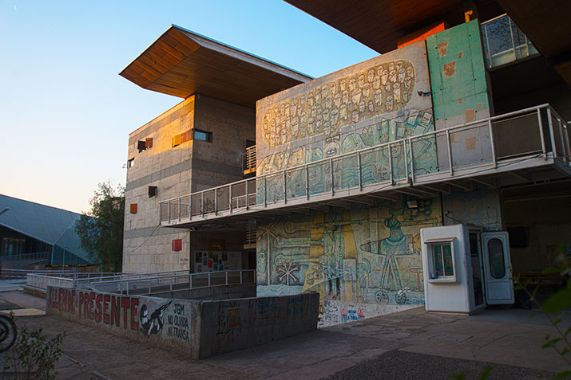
(412, 204)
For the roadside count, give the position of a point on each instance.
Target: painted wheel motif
(400, 297)
(382, 297)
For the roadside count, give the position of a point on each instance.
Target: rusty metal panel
(458, 75)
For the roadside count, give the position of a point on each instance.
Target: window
(504, 42)
(130, 163)
(181, 138)
(496, 258)
(441, 261)
(145, 144)
(202, 135)
(133, 208)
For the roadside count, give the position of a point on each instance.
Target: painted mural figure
(152, 324)
(396, 244)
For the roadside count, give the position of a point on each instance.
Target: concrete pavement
(411, 344)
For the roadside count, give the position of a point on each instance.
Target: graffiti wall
(379, 100)
(148, 317)
(363, 262)
(201, 328)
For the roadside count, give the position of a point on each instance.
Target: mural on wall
(363, 262)
(366, 105)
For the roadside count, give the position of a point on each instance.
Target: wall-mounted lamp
(412, 204)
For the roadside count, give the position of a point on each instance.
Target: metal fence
(169, 281)
(536, 131)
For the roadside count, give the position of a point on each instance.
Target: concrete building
(361, 173)
(36, 235)
(197, 144)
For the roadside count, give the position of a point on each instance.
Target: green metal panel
(458, 75)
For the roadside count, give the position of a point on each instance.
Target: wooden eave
(183, 63)
(378, 24)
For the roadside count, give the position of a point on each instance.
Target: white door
(497, 268)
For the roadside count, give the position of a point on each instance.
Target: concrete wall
(220, 161)
(191, 166)
(147, 248)
(198, 328)
(481, 207)
(363, 262)
(231, 325)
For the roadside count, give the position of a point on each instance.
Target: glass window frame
(433, 263)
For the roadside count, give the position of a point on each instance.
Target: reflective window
(496, 258)
(442, 265)
(504, 42)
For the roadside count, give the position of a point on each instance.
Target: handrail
(138, 284)
(409, 165)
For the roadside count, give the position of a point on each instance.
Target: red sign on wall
(177, 245)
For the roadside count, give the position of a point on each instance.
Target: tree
(101, 229)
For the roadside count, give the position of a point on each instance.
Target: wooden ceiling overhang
(378, 24)
(183, 63)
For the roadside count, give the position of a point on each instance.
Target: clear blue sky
(65, 113)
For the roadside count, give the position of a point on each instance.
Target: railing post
(247, 197)
(285, 187)
(563, 145)
(391, 178)
(306, 183)
(542, 137)
(215, 201)
(209, 278)
(450, 167)
(566, 130)
(411, 160)
(241, 277)
(551, 134)
(179, 203)
(265, 191)
(491, 131)
(230, 197)
(226, 278)
(169, 207)
(190, 281)
(332, 176)
(360, 179)
(405, 155)
(190, 206)
(202, 203)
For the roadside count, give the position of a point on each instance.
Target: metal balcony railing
(504, 42)
(498, 143)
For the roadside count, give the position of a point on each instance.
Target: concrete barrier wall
(231, 325)
(162, 321)
(199, 328)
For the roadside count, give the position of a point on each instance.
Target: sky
(65, 113)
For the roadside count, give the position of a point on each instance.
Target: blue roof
(50, 225)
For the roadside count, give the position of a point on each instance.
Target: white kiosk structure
(465, 269)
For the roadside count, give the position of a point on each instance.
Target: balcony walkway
(531, 144)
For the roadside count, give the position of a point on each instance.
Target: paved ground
(408, 345)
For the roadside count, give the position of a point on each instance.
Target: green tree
(101, 229)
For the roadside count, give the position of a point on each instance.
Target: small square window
(441, 261)
(202, 135)
(130, 163)
(133, 208)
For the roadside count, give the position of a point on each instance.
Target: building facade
(462, 122)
